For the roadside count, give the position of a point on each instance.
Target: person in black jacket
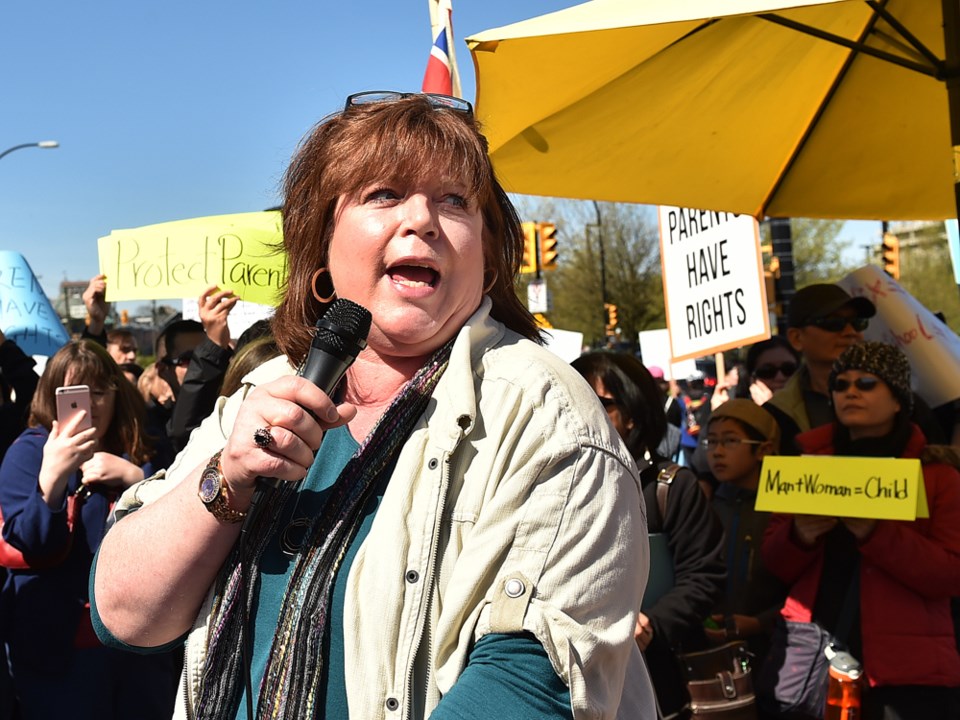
(674, 621)
(18, 381)
(209, 362)
(199, 386)
(161, 383)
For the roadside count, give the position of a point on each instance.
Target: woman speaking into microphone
(457, 528)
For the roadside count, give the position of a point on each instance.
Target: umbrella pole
(603, 264)
(951, 45)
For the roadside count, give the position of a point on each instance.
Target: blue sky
(167, 111)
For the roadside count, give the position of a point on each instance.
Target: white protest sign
(931, 346)
(713, 285)
(538, 298)
(655, 351)
(243, 315)
(565, 344)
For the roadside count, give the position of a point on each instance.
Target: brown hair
(117, 336)
(250, 356)
(88, 363)
(406, 138)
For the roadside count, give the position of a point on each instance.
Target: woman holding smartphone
(57, 484)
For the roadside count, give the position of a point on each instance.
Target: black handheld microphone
(341, 333)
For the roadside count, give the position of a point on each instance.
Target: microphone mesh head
(344, 324)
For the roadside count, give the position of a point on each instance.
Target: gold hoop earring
(313, 286)
(489, 286)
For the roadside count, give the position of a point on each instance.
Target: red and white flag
(441, 75)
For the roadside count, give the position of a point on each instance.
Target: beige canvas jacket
(519, 509)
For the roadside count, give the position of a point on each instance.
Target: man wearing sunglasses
(178, 340)
(823, 321)
(198, 355)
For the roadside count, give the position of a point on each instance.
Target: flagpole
(441, 75)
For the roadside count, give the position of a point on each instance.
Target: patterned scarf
(295, 665)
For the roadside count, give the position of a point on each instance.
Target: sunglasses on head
(438, 101)
(183, 358)
(837, 324)
(769, 371)
(863, 384)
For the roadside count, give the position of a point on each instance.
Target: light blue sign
(26, 315)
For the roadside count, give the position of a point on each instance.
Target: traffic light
(610, 311)
(529, 264)
(124, 317)
(548, 246)
(542, 321)
(891, 255)
(771, 273)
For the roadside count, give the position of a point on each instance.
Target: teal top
(271, 585)
(511, 673)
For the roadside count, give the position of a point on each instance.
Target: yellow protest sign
(864, 487)
(240, 252)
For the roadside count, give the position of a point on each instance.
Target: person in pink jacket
(904, 573)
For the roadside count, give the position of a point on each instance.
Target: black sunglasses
(769, 371)
(607, 402)
(863, 384)
(837, 324)
(440, 102)
(183, 358)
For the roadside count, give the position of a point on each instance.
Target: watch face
(209, 485)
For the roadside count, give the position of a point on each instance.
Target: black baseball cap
(817, 301)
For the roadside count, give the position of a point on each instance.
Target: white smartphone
(71, 399)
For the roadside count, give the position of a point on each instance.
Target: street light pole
(603, 263)
(46, 144)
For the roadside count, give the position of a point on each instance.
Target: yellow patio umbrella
(831, 109)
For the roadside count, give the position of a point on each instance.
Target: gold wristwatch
(213, 493)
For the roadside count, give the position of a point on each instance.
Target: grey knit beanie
(885, 361)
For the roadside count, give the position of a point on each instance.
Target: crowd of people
(885, 590)
(466, 526)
